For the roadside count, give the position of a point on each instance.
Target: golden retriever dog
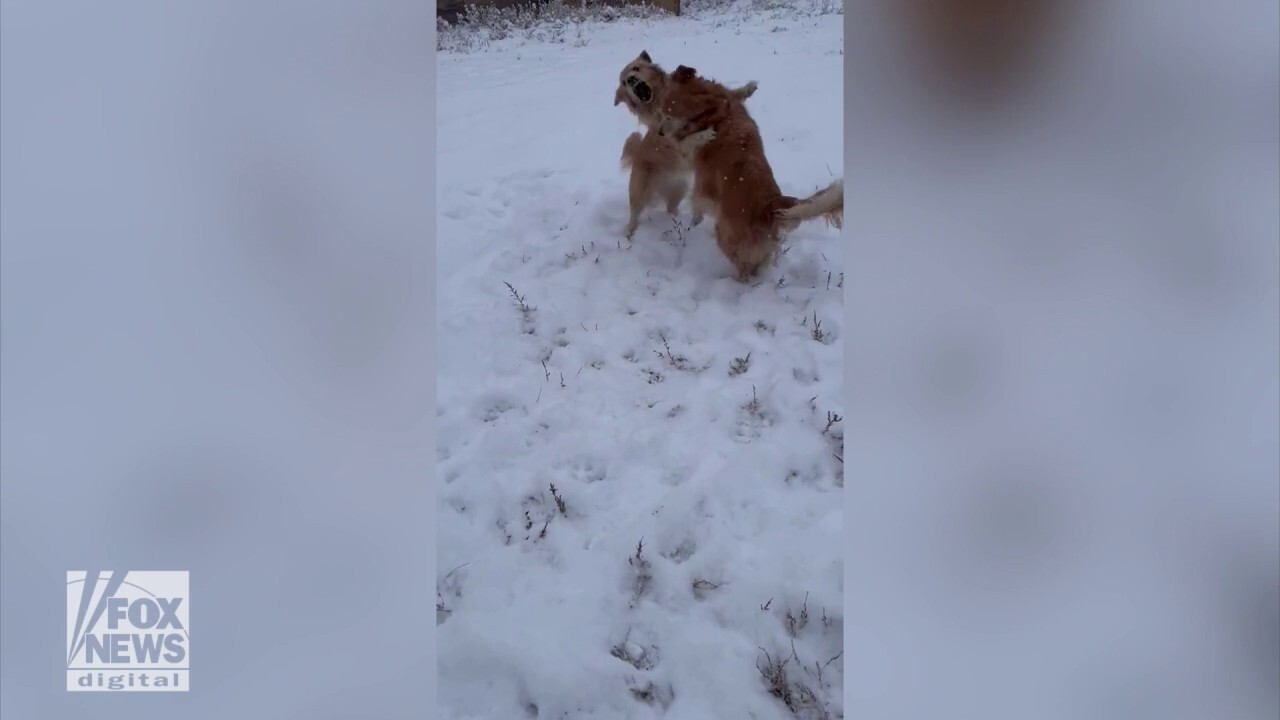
(732, 177)
(659, 171)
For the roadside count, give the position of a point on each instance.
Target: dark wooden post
(671, 6)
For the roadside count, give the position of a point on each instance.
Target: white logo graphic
(127, 631)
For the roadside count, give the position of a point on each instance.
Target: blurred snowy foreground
(640, 472)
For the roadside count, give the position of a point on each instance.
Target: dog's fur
(659, 170)
(732, 177)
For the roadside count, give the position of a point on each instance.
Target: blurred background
(215, 307)
(1063, 500)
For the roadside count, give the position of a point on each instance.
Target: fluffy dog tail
(827, 203)
(631, 149)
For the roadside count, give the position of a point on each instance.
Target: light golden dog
(659, 170)
(732, 177)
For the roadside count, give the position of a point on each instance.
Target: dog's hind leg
(700, 200)
(632, 223)
(674, 192)
(700, 207)
(638, 196)
(747, 247)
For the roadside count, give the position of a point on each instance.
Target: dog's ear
(644, 55)
(682, 73)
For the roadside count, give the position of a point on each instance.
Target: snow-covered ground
(639, 477)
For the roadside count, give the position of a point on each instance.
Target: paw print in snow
(587, 470)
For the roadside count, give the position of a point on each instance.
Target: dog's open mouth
(640, 89)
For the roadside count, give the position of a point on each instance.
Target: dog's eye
(635, 69)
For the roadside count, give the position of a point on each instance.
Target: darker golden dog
(732, 176)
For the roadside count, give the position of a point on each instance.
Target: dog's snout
(639, 88)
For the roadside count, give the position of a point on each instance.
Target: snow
(1065, 333)
(680, 416)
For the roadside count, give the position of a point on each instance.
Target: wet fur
(659, 170)
(732, 176)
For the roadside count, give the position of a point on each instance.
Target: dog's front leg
(690, 144)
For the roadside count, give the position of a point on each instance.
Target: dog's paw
(698, 139)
